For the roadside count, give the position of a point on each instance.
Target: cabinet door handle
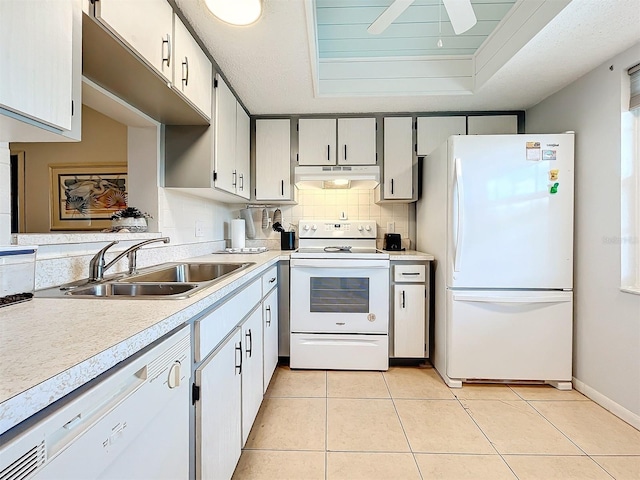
(328, 153)
(282, 187)
(168, 42)
(241, 181)
(250, 343)
(185, 72)
(345, 152)
(239, 350)
(403, 299)
(268, 309)
(392, 186)
(234, 182)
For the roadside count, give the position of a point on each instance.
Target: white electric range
(339, 297)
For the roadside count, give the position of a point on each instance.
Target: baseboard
(605, 402)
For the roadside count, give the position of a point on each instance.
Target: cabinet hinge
(215, 176)
(195, 393)
(215, 83)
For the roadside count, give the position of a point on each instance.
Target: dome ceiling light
(236, 12)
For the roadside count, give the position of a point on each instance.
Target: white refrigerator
(496, 211)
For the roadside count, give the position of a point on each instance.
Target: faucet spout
(132, 252)
(97, 265)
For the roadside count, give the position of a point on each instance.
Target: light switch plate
(199, 228)
(391, 227)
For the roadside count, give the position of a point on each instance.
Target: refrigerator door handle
(500, 299)
(459, 214)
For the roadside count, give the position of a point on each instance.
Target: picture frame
(83, 196)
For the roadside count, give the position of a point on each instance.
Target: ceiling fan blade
(387, 17)
(461, 15)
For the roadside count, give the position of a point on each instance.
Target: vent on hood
(360, 176)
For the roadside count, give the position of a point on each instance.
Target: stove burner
(345, 248)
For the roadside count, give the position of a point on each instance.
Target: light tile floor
(407, 424)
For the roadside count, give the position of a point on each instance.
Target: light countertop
(410, 255)
(50, 347)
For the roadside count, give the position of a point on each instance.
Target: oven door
(339, 296)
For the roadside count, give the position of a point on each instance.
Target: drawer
(269, 280)
(409, 273)
(211, 329)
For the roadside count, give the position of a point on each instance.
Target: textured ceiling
(269, 66)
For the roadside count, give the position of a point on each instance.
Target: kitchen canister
(250, 228)
(237, 233)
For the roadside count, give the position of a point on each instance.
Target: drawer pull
(273, 279)
(410, 273)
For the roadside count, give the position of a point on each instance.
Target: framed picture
(85, 195)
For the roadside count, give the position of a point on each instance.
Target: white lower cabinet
(235, 355)
(218, 411)
(409, 312)
(252, 374)
(409, 326)
(270, 324)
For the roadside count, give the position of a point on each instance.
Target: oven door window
(339, 295)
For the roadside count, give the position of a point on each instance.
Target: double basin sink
(172, 280)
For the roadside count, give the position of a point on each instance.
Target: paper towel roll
(237, 233)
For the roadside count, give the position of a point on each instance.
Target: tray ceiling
(405, 58)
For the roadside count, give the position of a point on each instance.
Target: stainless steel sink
(146, 290)
(188, 272)
(167, 281)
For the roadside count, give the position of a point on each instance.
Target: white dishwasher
(134, 425)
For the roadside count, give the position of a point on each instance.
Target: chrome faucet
(97, 265)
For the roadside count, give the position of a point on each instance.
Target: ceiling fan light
(236, 12)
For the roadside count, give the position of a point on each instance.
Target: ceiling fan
(460, 13)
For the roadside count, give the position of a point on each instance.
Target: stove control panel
(337, 229)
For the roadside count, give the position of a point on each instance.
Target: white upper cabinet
(317, 141)
(225, 139)
(146, 26)
(273, 159)
(40, 42)
(232, 143)
(493, 125)
(433, 131)
(192, 69)
(243, 152)
(398, 158)
(357, 141)
(352, 143)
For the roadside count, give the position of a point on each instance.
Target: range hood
(343, 176)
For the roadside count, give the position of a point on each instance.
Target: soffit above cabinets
(405, 58)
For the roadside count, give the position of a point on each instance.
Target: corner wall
(606, 363)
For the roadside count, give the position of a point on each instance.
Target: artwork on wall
(85, 195)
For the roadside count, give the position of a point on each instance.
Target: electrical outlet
(391, 227)
(199, 228)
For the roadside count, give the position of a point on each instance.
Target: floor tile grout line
(556, 427)
(487, 437)
(326, 425)
(404, 432)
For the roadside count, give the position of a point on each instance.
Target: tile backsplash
(329, 204)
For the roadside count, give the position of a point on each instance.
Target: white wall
(607, 321)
